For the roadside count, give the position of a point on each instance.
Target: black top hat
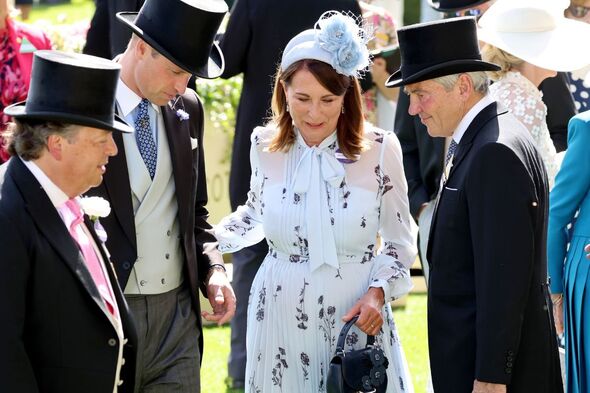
(72, 88)
(434, 49)
(454, 5)
(183, 31)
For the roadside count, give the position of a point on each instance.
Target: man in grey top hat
(65, 326)
(489, 313)
(158, 230)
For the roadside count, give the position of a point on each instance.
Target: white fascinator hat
(336, 39)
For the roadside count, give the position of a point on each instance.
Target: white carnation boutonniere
(95, 208)
(180, 112)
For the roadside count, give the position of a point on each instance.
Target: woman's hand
(369, 309)
(587, 249)
(557, 301)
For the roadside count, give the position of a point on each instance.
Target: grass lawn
(410, 320)
(76, 11)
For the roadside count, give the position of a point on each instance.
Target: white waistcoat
(158, 267)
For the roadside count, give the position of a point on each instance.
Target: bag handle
(344, 333)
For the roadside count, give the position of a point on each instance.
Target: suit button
(509, 364)
(509, 358)
(508, 370)
(126, 265)
(142, 282)
(112, 342)
(510, 353)
(167, 256)
(168, 233)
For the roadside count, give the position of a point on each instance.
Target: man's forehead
(426, 85)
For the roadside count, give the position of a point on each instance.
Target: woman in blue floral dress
(328, 192)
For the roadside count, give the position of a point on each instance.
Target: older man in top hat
(489, 315)
(64, 326)
(158, 235)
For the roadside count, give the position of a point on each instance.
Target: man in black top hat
(158, 236)
(64, 326)
(489, 313)
(424, 155)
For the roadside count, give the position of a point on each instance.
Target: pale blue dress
(321, 215)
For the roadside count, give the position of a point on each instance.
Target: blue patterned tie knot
(144, 137)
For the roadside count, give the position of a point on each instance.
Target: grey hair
(28, 140)
(480, 79)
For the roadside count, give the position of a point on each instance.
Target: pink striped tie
(91, 259)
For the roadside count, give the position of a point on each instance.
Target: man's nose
(414, 107)
(111, 146)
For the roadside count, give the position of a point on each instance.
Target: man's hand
(369, 310)
(485, 387)
(221, 297)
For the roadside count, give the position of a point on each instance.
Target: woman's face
(579, 10)
(313, 108)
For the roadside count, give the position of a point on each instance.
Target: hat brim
(19, 112)
(553, 50)
(436, 5)
(213, 69)
(442, 69)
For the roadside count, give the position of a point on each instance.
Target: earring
(342, 111)
(287, 109)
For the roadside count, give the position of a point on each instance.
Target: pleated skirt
(577, 316)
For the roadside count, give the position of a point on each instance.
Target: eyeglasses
(578, 11)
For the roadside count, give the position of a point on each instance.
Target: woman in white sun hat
(531, 40)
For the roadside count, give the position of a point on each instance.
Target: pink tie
(92, 262)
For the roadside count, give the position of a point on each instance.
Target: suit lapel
(488, 113)
(50, 224)
(178, 134)
(116, 181)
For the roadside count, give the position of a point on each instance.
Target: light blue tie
(144, 137)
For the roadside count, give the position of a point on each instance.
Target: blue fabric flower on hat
(345, 41)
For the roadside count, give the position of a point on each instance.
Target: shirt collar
(128, 99)
(471, 114)
(55, 194)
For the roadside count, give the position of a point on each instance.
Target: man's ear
(465, 85)
(55, 144)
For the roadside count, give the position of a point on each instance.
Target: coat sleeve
(571, 187)
(500, 196)
(235, 42)
(98, 41)
(16, 370)
(560, 108)
(205, 242)
(406, 133)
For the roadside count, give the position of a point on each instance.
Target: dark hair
(28, 139)
(350, 127)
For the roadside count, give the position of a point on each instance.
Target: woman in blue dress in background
(568, 267)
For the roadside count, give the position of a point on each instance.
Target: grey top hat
(72, 88)
(183, 31)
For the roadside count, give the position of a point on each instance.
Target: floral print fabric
(12, 85)
(294, 311)
(524, 100)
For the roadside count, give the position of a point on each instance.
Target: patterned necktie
(452, 147)
(144, 137)
(450, 153)
(92, 263)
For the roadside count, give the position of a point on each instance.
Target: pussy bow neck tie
(318, 169)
